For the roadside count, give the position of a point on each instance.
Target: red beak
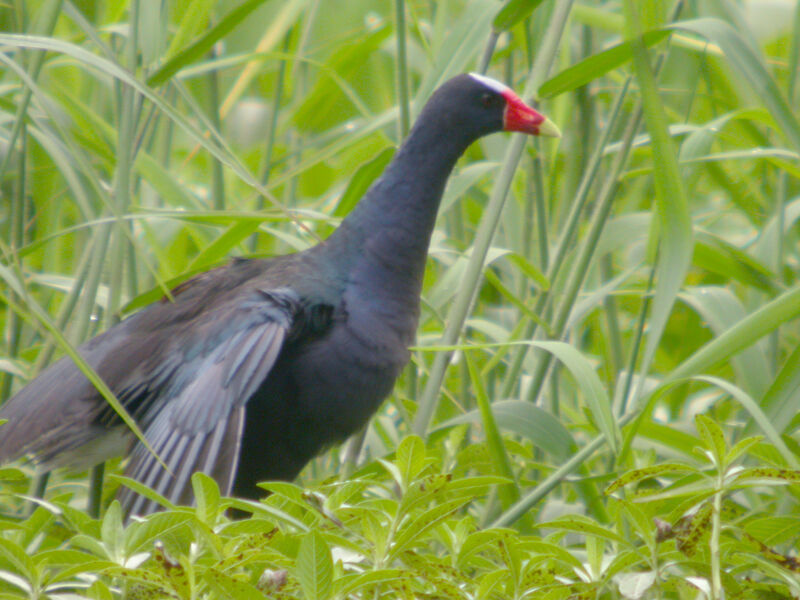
(518, 116)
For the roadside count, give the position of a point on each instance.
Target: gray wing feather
(200, 427)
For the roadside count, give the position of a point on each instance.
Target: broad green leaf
(647, 473)
(749, 64)
(674, 225)
(721, 310)
(314, 567)
(169, 527)
(512, 13)
(410, 458)
(206, 494)
(509, 493)
(596, 66)
(201, 46)
(193, 20)
(528, 421)
(15, 556)
(11, 474)
(593, 391)
(757, 415)
(419, 524)
(743, 334)
(359, 183)
(231, 587)
(713, 438)
(723, 258)
(112, 533)
(460, 182)
(780, 400)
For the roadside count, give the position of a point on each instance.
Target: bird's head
(475, 105)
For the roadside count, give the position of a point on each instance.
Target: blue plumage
(258, 365)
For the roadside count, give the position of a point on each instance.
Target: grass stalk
(51, 9)
(566, 238)
(483, 238)
(17, 238)
(401, 70)
(530, 500)
(217, 171)
(577, 276)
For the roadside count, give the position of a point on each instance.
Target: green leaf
(780, 400)
(528, 421)
(721, 309)
(584, 525)
(11, 474)
(529, 270)
(758, 416)
(171, 526)
(713, 438)
(509, 492)
(193, 20)
(741, 447)
(410, 459)
(219, 248)
(322, 107)
(512, 13)
(674, 224)
(200, 47)
(761, 475)
(746, 60)
(112, 533)
(647, 473)
(360, 584)
(359, 183)
(142, 490)
(206, 494)
(23, 566)
(745, 333)
(416, 526)
(591, 386)
(723, 258)
(314, 567)
(596, 66)
(230, 587)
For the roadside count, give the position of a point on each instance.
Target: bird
(249, 370)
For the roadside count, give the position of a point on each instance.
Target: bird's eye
(487, 100)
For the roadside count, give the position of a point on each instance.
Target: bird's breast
(345, 375)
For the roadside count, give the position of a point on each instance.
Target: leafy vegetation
(602, 402)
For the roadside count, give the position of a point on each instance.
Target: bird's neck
(385, 239)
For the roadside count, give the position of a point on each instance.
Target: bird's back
(58, 414)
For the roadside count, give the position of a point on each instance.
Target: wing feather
(200, 427)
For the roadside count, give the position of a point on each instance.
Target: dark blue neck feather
(383, 243)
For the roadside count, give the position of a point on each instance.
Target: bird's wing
(194, 418)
